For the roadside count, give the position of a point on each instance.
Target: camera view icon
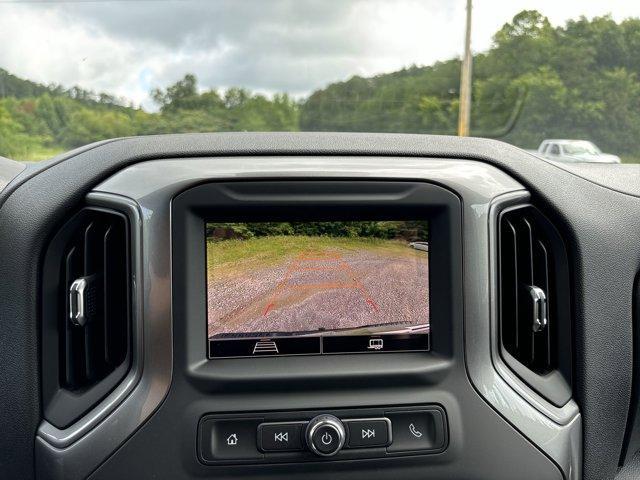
(265, 346)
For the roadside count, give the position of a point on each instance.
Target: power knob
(325, 435)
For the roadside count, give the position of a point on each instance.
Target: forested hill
(39, 125)
(12, 86)
(416, 100)
(579, 80)
(19, 88)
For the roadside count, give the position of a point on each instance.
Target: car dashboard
(522, 367)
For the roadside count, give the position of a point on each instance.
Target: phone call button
(417, 430)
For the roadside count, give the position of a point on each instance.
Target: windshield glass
(580, 148)
(74, 72)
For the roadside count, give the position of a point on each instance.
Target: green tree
(182, 94)
(86, 126)
(14, 142)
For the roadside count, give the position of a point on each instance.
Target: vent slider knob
(540, 319)
(84, 295)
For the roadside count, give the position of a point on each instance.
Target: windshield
(580, 148)
(74, 72)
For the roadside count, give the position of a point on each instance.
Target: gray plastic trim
(566, 416)
(61, 438)
(152, 185)
(75, 451)
(175, 175)
(560, 415)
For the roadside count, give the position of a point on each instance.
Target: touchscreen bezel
(318, 199)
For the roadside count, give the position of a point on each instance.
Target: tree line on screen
(388, 230)
(580, 80)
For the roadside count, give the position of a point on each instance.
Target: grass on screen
(232, 258)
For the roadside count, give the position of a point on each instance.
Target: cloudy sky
(129, 47)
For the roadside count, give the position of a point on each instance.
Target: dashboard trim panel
(149, 184)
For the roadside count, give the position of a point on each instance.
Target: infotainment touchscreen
(312, 288)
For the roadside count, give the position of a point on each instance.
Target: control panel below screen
(312, 436)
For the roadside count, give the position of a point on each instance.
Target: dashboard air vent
(87, 310)
(535, 321)
(95, 283)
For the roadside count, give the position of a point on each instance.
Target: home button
(229, 439)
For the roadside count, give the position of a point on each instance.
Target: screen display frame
(254, 345)
(318, 199)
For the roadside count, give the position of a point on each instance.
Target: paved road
(333, 290)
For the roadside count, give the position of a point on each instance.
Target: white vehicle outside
(574, 151)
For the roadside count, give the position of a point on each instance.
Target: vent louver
(87, 310)
(95, 285)
(535, 320)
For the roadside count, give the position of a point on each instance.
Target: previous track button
(280, 437)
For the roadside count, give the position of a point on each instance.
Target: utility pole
(464, 115)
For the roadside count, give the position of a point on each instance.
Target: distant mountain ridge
(390, 102)
(38, 121)
(12, 86)
(580, 80)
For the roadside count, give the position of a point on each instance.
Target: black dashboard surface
(598, 215)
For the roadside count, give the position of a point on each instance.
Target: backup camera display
(294, 288)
